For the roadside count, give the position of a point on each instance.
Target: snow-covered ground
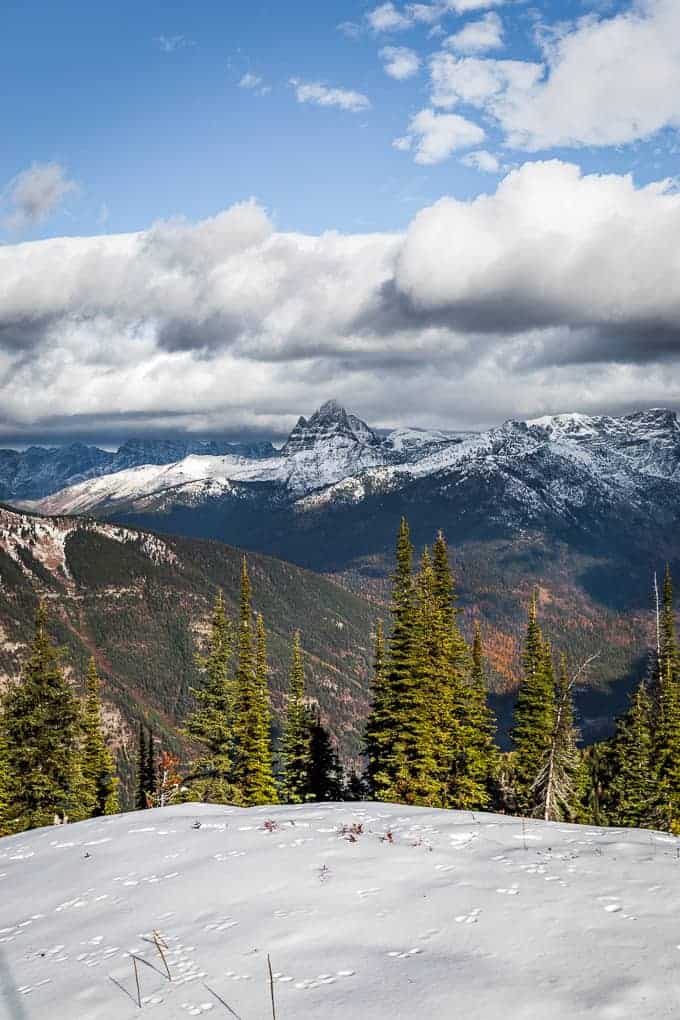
(367, 911)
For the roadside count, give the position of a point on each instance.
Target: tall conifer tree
(397, 678)
(296, 733)
(476, 768)
(634, 792)
(42, 729)
(211, 721)
(254, 778)
(97, 762)
(142, 757)
(534, 716)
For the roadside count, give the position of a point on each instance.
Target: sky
(214, 217)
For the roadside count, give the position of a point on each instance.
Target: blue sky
(141, 106)
(215, 216)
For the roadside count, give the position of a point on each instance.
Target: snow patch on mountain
(554, 464)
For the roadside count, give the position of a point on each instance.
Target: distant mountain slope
(141, 605)
(586, 508)
(39, 471)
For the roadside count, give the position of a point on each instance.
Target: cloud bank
(556, 291)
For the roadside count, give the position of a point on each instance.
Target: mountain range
(582, 509)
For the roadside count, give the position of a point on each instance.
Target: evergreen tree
(666, 746)
(477, 758)
(325, 780)
(387, 727)
(97, 761)
(634, 788)
(378, 725)
(4, 780)
(556, 787)
(42, 728)
(211, 721)
(296, 733)
(142, 758)
(255, 778)
(534, 716)
(151, 767)
(669, 643)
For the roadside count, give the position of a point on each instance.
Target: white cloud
(465, 6)
(34, 194)
(478, 36)
(153, 328)
(400, 62)
(437, 135)
(403, 144)
(605, 81)
(322, 95)
(254, 83)
(478, 81)
(609, 82)
(386, 18)
(485, 162)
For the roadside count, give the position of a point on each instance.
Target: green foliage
(97, 761)
(211, 721)
(534, 718)
(296, 735)
(42, 727)
(325, 779)
(634, 786)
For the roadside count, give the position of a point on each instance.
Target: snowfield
(368, 911)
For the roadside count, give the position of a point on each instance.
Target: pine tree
(534, 716)
(254, 756)
(97, 761)
(669, 643)
(212, 720)
(142, 754)
(666, 750)
(556, 787)
(388, 723)
(151, 768)
(416, 746)
(634, 788)
(378, 725)
(325, 779)
(4, 780)
(477, 752)
(42, 728)
(296, 733)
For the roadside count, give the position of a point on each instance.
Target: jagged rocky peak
(330, 421)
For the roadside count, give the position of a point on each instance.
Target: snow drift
(366, 910)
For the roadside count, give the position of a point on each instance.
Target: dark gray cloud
(481, 310)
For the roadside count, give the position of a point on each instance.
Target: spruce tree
(296, 733)
(556, 788)
(666, 747)
(534, 716)
(477, 763)
(97, 761)
(634, 788)
(387, 722)
(378, 725)
(4, 780)
(151, 767)
(42, 728)
(325, 779)
(255, 778)
(669, 643)
(211, 721)
(142, 755)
